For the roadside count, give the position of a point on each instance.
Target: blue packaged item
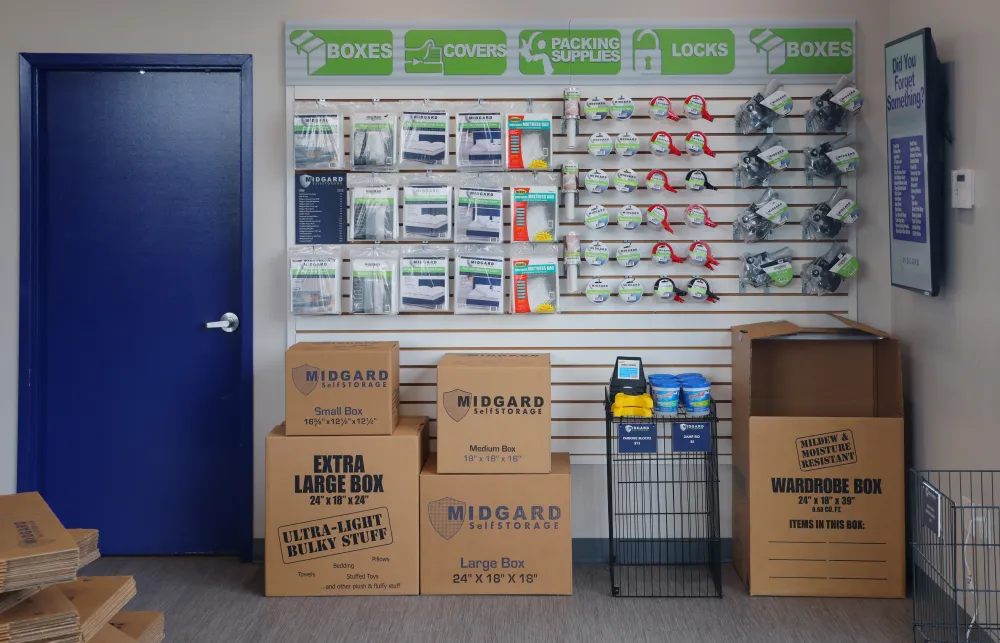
(666, 391)
(697, 397)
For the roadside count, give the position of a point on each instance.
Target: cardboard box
(342, 388)
(496, 534)
(818, 461)
(494, 413)
(35, 549)
(342, 512)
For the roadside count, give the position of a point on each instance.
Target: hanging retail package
(496, 534)
(341, 512)
(757, 165)
(828, 110)
(764, 108)
(342, 388)
(374, 280)
(765, 215)
(480, 138)
(535, 210)
(479, 209)
(423, 134)
(318, 139)
(426, 207)
(529, 141)
(373, 138)
(423, 279)
(314, 280)
(827, 219)
(534, 278)
(479, 274)
(374, 208)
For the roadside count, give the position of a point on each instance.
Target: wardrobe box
(818, 461)
(342, 514)
(342, 388)
(494, 413)
(496, 534)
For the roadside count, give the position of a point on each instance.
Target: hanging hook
(531, 104)
(479, 101)
(375, 101)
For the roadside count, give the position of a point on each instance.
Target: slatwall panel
(585, 339)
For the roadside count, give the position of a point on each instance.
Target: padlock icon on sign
(647, 60)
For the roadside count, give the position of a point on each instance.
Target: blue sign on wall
(321, 208)
(692, 436)
(637, 437)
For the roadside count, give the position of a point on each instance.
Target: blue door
(134, 415)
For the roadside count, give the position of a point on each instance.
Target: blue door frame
(29, 432)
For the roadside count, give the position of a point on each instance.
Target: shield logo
(451, 404)
(300, 378)
(447, 516)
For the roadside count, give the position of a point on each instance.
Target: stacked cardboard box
(86, 542)
(97, 599)
(141, 627)
(35, 549)
(494, 501)
(47, 617)
(342, 476)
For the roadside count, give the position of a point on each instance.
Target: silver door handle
(229, 322)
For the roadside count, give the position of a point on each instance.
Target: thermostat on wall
(963, 189)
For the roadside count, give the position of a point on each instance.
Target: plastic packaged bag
(764, 109)
(423, 134)
(534, 278)
(423, 279)
(824, 275)
(529, 141)
(314, 280)
(480, 138)
(374, 280)
(828, 110)
(426, 207)
(374, 208)
(535, 209)
(373, 137)
(827, 219)
(479, 209)
(763, 216)
(765, 269)
(764, 160)
(318, 136)
(479, 273)
(832, 158)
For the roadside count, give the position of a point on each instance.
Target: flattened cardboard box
(35, 549)
(342, 512)
(342, 388)
(818, 461)
(494, 413)
(496, 534)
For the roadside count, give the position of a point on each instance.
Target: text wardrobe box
(496, 534)
(342, 388)
(818, 461)
(342, 512)
(494, 413)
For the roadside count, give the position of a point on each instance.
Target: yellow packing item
(631, 411)
(645, 400)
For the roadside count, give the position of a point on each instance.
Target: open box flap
(864, 328)
(766, 329)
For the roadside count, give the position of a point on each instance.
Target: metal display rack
(954, 519)
(663, 505)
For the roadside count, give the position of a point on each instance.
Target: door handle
(228, 323)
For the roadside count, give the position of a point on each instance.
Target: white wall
(953, 357)
(255, 27)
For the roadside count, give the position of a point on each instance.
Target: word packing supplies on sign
(426, 210)
(321, 208)
(424, 137)
(314, 280)
(424, 279)
(479, 214)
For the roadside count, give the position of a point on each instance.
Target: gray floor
(216, 600)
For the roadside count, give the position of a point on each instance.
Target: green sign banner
(571, 52)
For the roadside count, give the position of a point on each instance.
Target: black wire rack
(663, 505)
(955, 517)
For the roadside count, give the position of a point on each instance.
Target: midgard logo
(448, 516)
(29, 535)
(307, 180)
(344, 52)
(306, 378)
(335, 535)
(458, 403)
(806, 51)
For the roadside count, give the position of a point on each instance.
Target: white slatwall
(585, 339)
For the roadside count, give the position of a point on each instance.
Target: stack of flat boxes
(342, 476)
(495, 514)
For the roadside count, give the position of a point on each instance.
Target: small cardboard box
(818, 461)
(496, 534)
(342, 388)
(342, 512)
(494, 413)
